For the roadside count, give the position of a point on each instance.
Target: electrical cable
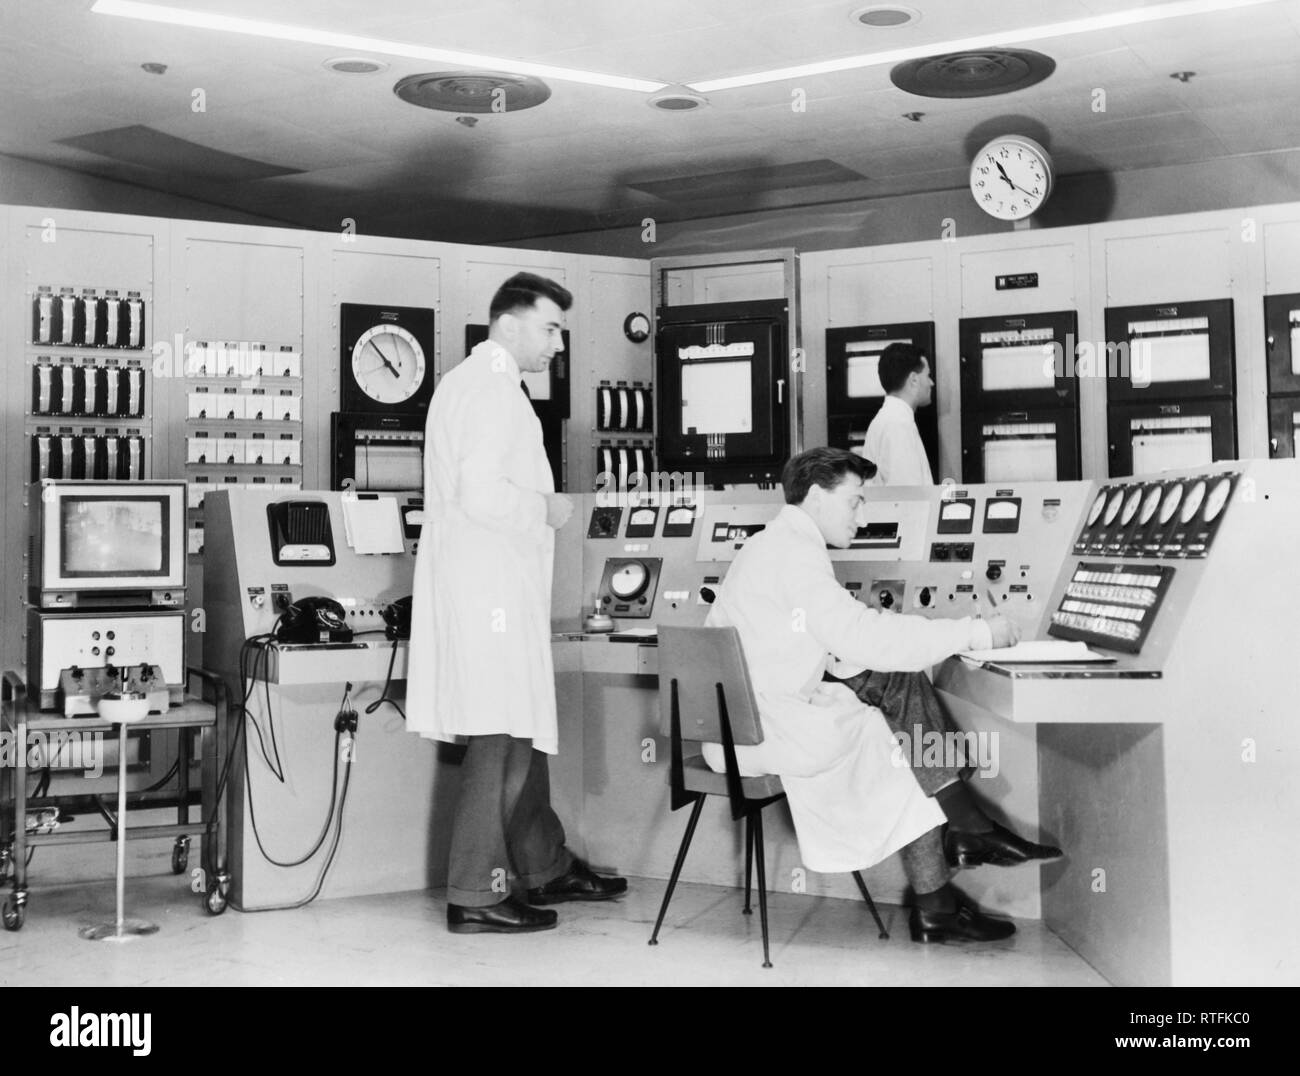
(388, 682)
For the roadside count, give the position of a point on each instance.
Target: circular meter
(629, 580)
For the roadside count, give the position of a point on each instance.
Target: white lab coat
(852, 805)
(480, 658)
(894, 445)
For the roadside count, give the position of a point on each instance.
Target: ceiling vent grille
(974, 73)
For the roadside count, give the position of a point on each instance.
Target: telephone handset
(397, 618)
(316, 619)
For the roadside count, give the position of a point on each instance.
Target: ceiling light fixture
(1131, 17)
(203, 20)
(354, 65)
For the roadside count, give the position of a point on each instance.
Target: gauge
(1131, 506)
(1112, 507)
(680, 516)
(629, 580)
(1149, 503)
(1217, 498)
(641, 517)
(1173, 495)
(1195, 496)
(1095, 512)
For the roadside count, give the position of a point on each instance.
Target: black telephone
(397, 617)
(314, 620)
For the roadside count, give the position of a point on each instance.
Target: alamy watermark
(1129, 360)
(63, 749)
(649, 488)
(954, 750)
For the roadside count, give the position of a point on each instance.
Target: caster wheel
(180, 855)
(215, 901)
(15, 911)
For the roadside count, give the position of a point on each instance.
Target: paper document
(372, 523)
(1039, 652)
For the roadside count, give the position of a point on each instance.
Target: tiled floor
(401, 939)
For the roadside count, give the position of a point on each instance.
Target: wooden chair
(705, 696)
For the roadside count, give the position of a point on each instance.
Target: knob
(95, 635)
(708, 594)
(925, 596)
(994, 572)
(108, 653)
(886, 599)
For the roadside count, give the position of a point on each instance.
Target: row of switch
(255, 405)
(102, 391)
(87, 320)
(87, 456)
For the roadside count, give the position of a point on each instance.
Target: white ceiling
(569, 164)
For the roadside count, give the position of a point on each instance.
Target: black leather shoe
(511, 916)
(580, 883)
(966, 923)
(1001, 848)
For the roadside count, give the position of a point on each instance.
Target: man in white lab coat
(481, 621)
(893, 443)
(851, 803)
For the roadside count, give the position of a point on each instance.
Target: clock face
(388, 364)
(386, 358)
(1011, 177)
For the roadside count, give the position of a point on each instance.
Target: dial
(1094, 513)
(1149, 502)
(388, 364)
(1112, 507)
(629, 580)
(1173, 495)
(1195, 496)
(1131, 506)
(1011, 177)
(680, 515)
(1217, 498)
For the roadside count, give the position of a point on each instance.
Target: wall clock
(385, 358)
(1011, 177)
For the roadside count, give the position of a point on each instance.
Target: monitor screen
(114, 536)
(717, 397)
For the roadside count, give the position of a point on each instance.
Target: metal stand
(121, 929)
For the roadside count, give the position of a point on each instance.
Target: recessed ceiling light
(885, 16)
(677, 99)
(154, 69)
(204, 20)
(1130, 17)
(355, 65)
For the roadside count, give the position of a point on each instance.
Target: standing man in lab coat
(852, 805)
(481, 621)
(893, 443)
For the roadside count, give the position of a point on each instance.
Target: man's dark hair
(825, 467)
(898, 361)
(522, 291)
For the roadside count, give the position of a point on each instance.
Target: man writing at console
(851, 803)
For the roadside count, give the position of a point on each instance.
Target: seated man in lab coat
(852, 803)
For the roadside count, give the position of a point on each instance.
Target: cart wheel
(215, 901)
(180, 855)
(15, 911)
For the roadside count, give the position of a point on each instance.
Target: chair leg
(871, 904)
(762, 881)
(749, 862)
(677, 866)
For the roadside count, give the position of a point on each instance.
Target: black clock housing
(355, 320)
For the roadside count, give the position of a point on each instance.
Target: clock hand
(1005, 176)
(384, 359)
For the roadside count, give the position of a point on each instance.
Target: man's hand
(559, 507)
(1004, 632)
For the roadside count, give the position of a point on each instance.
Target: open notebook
(1040, 652)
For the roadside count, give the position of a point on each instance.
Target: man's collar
(500, 360)
(803, 523)
(897, 403)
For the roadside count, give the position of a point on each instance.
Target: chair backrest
(697, 661)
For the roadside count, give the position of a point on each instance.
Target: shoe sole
(539, 902)
(488, 928)
(968, 863)
(934, 937)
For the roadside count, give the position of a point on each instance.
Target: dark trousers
(918, 721)
(503, 824)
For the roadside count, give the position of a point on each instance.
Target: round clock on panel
(1011, 177)
(385, 358)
